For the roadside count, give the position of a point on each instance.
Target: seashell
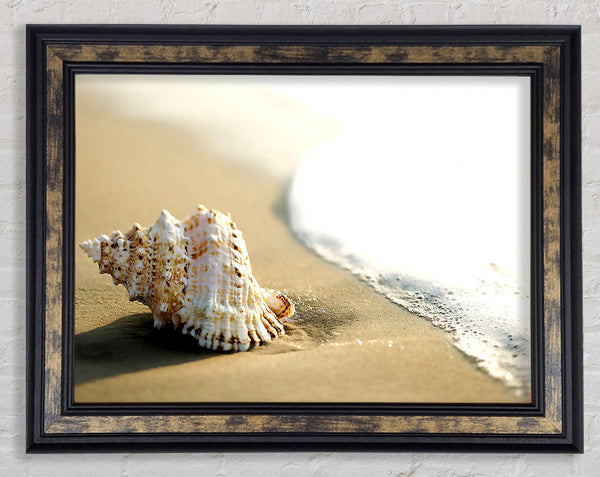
(195, 274)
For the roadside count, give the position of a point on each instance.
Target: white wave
(440, 233)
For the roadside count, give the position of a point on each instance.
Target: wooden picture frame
(548, 55)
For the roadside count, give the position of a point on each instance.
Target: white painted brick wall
(15, 14)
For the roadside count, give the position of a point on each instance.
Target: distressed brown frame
(549, 55)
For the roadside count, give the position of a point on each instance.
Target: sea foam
(439, 229)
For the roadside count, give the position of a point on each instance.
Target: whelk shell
(195, 274)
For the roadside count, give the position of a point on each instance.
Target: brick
(13, 16)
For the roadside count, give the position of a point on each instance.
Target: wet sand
(345, 344)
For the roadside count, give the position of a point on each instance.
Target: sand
(345, 344)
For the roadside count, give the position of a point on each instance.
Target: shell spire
(195, 274)
(92, 248)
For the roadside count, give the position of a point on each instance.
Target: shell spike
(165, 219)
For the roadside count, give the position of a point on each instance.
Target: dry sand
(345, 344)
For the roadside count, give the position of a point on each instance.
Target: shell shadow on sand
(131, 344)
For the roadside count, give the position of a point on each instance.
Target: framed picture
(321, 238)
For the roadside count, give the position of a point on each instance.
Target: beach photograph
(302, 239)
